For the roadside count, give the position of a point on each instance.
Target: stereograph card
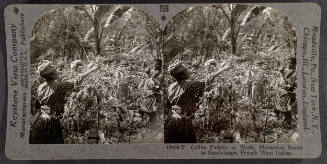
(163, 81)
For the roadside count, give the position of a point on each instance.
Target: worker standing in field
(153, 91)
(46, 128)
(183, 96)
(259, 90)
(248, 82)
(287, 103)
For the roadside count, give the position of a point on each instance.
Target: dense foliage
(106, 108)
(265, 39)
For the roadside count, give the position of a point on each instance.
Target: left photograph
(96, 76)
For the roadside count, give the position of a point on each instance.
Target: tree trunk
(96, 37)
(233, 43)
(233, 38)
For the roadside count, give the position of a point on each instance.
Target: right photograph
(230, 76)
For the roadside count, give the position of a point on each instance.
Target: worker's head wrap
(75, 64)
(157, 62)
(178, 71)
(292, 60)
(46, 68)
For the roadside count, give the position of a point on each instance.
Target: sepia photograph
(231, 76)
(95, 76)
(105, 74)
